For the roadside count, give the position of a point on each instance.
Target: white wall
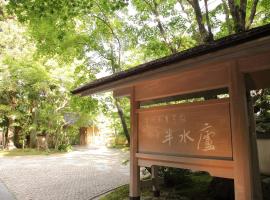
(264, 155)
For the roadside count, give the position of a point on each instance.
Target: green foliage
(65, 147)
(119, 141)
(35, 92)
(174, 176)
(197, 189)
(48, 22)
(107, 107)
(261, 100)
(263, 13)
(59, 27)
(57, 45)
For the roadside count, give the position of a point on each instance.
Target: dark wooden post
(154, 177)
(253, 143)
(134, 187)
(244, 181)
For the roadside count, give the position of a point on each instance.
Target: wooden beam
(122, 92)
(200, 79)
(134, 185)
(205, 94)
(220, 168)
(254, 62)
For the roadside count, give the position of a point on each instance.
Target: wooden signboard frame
(239, 166)
(180, 130)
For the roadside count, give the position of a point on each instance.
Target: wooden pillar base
(155, 184)
(134, 198)
(156, 193)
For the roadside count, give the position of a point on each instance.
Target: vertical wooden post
(134, 186)
(241, 140)
(253, 143)
(154, 177)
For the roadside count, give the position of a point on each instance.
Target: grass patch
(197, 189)
(119, 193)
(28, 152)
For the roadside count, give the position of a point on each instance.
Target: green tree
(65, 31)
(35, 90)
(114, 35)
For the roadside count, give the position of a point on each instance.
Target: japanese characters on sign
(205, 142)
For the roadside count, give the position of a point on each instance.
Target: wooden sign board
(200, 129)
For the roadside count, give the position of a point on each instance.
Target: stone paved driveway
(78, 175)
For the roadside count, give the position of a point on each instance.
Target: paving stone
(4, 193)
(78, 175)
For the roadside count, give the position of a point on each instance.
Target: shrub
(174, 176)
(65, 147)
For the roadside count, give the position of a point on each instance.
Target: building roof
(200, 50)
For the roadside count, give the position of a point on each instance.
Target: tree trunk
(227, 16)
(3, 139)
(6, 138)
(16, 137)
(116, 100)
(5, 133)
(210, 34)
(56, 141)
(206, 36)
(123, 121)
(242, 13)
(33, 133)
(252, 13)
(238, 13)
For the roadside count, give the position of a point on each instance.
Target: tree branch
(238, 14)
(185, 11)
(252, 13)
(227, 16)
(2, 12)
(206, 36)
(63, 106)
(122, 118)
(154, 9)
(208, 20)
(191, 2)
(242, 13)
(107, 23)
